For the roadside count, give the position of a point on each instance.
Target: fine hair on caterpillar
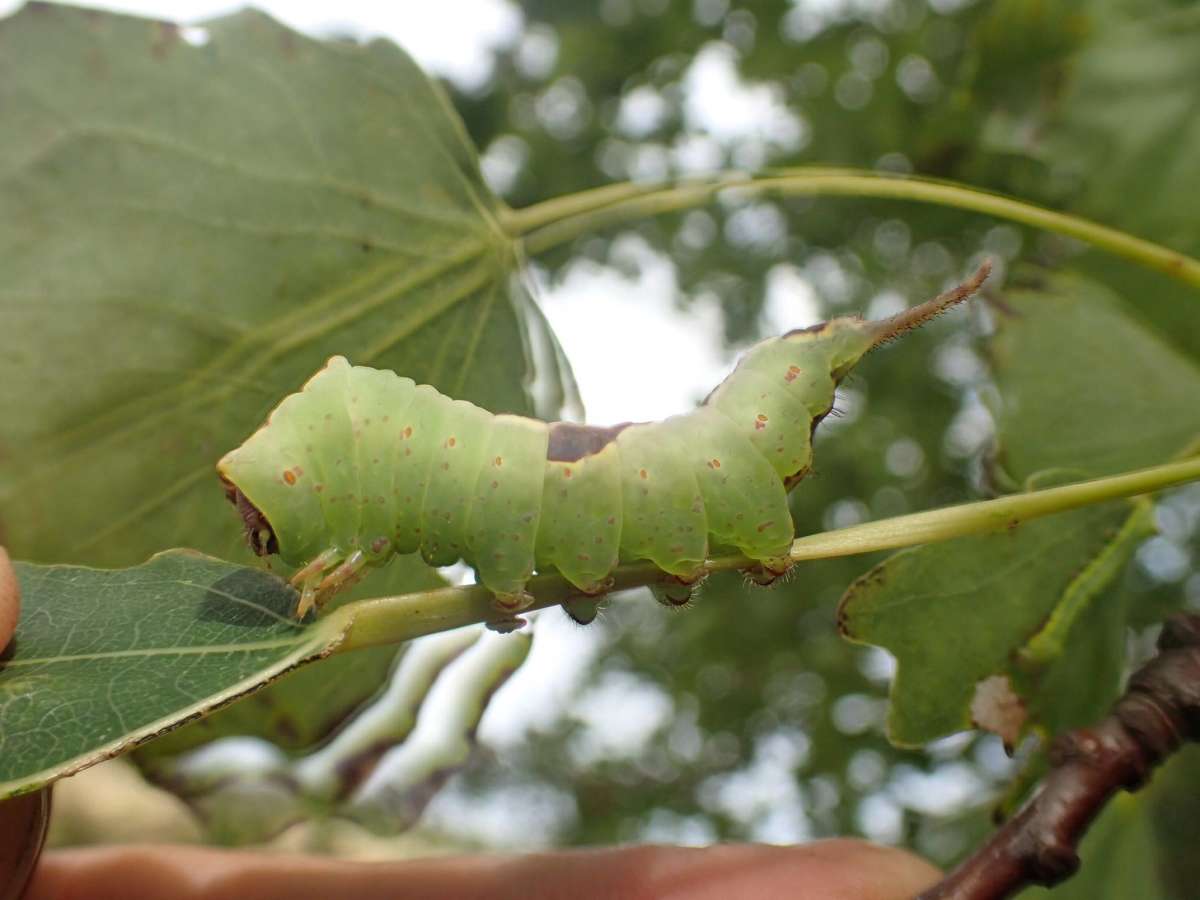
(363, 464)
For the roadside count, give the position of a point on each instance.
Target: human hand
(826, 870)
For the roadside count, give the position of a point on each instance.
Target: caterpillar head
(259, 533)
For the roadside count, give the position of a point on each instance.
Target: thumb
(10, 599)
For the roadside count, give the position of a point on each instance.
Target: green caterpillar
(363, 464)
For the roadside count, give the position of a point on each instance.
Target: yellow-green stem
(554, 222)
(389, 620)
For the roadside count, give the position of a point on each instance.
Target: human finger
(827, 870)
(10, 599)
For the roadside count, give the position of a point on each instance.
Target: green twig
(554, 222)
(390, 620)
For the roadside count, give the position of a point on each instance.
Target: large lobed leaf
(1124, 128)
(1027, 628)
(1085, 388)
(189, 232)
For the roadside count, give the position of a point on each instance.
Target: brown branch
(1159, 711)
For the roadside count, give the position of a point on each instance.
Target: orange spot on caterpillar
(498, 461)
(451, 442)
(760, 422)
(714, 464)
(764, 526)
(407, 431)
(317, 488)
(642, 472)
(612, 520)
(583, 557)
(379, 544)
(791, 374)
(566, 472)
(289, 476)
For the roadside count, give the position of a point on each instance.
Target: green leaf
(957, 613)
(190, 231)
(1125, 128)
(107, 659)
(1084, 392)
(1069, 672)
(300, 709)
(1084, 387)
(304, 706)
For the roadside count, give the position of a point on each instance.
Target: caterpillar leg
(768, 571)
(512, 601)
(316, 587)
(508, 604)
(676, 592)
(583, 608)
(507, 625)
(308, 580)
(308, 596)
(342, 577)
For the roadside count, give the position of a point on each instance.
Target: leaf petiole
(562, 219)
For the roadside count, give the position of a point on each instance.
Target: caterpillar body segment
(745, 501)
(583, 516)
(503, 518)
(363, 464)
